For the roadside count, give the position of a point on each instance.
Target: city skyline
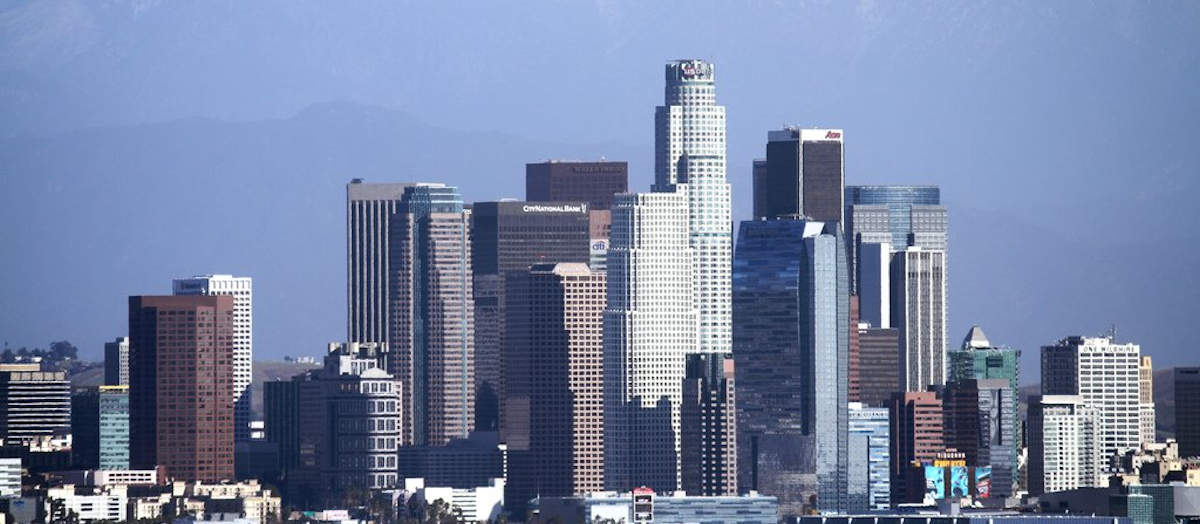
(1068, 145)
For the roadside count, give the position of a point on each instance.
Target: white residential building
(649, 326)
(240, 288)
(690, 149)
(10, 477)
(107, 504)
(1063, 455)
(918, 310)
(1106, 376)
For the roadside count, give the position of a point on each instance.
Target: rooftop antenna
(1112, 332)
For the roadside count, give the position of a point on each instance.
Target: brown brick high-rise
(181, 385)
(916, 430)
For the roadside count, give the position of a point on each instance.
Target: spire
(975, 339)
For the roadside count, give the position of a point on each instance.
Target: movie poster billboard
(958, 482)
(983, 482)
(935, 482)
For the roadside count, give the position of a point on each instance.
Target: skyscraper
(791, 342)
(558, 317)
(878, 365)
(1104, 375)
(869, 461)
(432, 308)
(708, 426)
(241, 289)
(595, 183)
(918, 306)
(804, 176)
(34, 404)
(901, 216)
(181, 385)
(369, 208)
(116, 362)
(113, 442)
(1063, 452)
(690, 149)
(1187, 411)
(649, 326)
(508, 237)
(1146, 422)
(980, 420)
(916, 428)
(979, 359)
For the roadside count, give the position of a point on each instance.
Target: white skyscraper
(649, 326)
(1149, 428)
(689, 133)
(1106, 376)
(243, 336)
(918, 310)
(1063, 455)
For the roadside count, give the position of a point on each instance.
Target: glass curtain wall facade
(791, 347)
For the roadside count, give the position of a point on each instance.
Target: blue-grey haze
(147, 140)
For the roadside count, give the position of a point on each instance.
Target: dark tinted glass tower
(791, 343)
(510, 237)
(1187, 411)
(804, 175)
(708, 426)
(591, 182)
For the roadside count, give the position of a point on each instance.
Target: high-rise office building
(874, 284)
(901, 216)
(351, 430)
(569, 181)
(116, 362)
(1063, 444)
(433, 314)
(113, 442)
(35, 404)
(878, 365)
(708, 426)
(1104, 375)
(508, 237)
(1187, 412)
(804, 176)
(369, 209)
(181, 385)
(557, 320)
(853, 387)
(791, 336)
(916, 429)
(1146, 423)
(869, 464)
(596, 183)
(689, 141)
(649, 326)
(980, 420)
(918, 306)
(979, 359)
(241, 289)
(281, 421)
(85, 428)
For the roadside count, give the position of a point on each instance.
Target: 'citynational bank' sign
(567, 208)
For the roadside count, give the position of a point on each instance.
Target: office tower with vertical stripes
(432, 328)
(918, 306)
(369, 209)
(689, 136)
(1105, 375)
(649, 328)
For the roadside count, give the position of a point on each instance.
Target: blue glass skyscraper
(791, 347)
(869, 460)
(114, 427)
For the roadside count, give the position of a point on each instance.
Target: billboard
(935, 482)
(983, 482)
(958, 482)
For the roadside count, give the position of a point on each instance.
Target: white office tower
(240, 289)
(649, 327)
(918, 311)
(689, 134)
(1105, 375)
(1147, 422)
(1063, 451)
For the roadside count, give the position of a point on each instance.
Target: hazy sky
(1064, 136)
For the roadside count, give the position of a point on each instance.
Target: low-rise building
(478, 504)
(651, 507)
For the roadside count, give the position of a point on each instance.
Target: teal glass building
(114, 427)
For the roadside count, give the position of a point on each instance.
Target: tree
(63, 350)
